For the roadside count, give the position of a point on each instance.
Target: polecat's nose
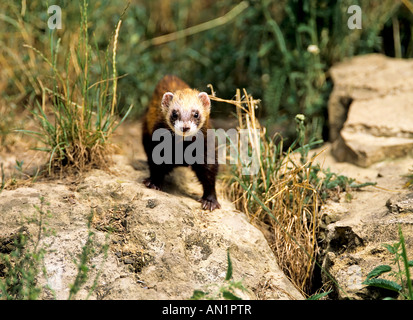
(185, 129)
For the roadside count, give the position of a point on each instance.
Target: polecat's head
(186, 110)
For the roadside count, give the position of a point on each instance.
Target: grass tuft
(286, 195)
(281, 195)
(76, 125)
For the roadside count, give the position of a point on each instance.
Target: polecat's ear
(203, 96)
(166, 99)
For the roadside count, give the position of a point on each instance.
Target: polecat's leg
(157, 172)
(157, 175)
(206, 174)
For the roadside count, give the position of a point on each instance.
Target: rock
(342, 238)
(371, 109)
(349, 266)
(401, 203)
(161, 244)
(364, 149)
(152, 203)
(354, 233)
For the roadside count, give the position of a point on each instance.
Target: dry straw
(76, 125)
(280, 198)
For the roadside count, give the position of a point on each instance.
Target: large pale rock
(162, 245)
(371, 109)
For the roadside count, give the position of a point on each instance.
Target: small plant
(334, 182)
(328, 181)
(21, 260)
(17, 176)
(280, 195)
(3, 180)
(6, 123)
(403, 283)
(226, 291)
(19, 269)
(83, 262)
(82, 115)
(319, 296)
(287, 192)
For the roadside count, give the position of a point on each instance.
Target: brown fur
(153, 114)
(156, 117)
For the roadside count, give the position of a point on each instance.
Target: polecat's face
(186, 111)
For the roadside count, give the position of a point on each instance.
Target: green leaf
(265, 48)
(229, 269)
(238, 285)
(124, 117)
(406, 263)
(29, 132)
(384, 284)
(198, 294)
(319, 295)
(378, 271)
(390, 248)
(362, 185)
(230, 296)
(304, 28)
(410, 263)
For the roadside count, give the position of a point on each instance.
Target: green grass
(22, 260)
(84, 266)
(19, 271)
(76, 126)
(286, 194)
(228, 290)
(264, 48)
(402, 283)
(3, 179)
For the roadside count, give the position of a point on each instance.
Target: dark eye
(174, 115)
(196, 115)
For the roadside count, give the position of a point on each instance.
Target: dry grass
(282, 196)
(78, 110)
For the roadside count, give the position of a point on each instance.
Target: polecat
(183, 111)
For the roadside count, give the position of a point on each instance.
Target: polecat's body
(183, 111)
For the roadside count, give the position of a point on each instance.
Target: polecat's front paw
(149, 184)
(210, 203)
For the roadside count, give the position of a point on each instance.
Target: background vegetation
(263, 47)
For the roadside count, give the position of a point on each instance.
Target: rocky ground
(371, 109)
(371, 130)
(163, 246)
(354, 231)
